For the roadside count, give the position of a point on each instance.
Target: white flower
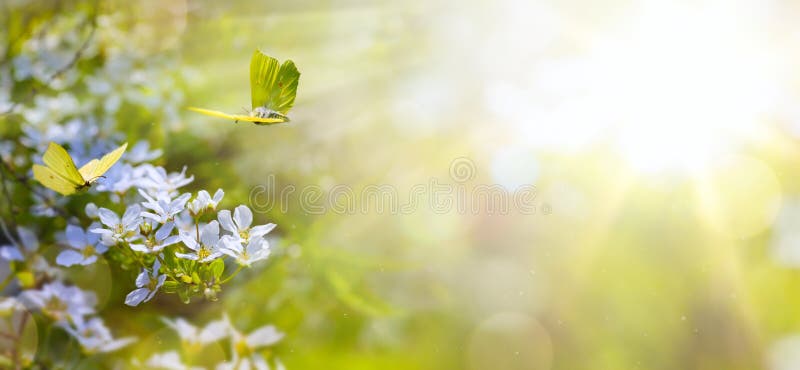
(141, 153)
(155, 243)
(94, 336)
(85, 247)
(91, 210)
(214, 331)
(169, 361)
(239, 226)
(60, 302)
(203, 202)
(118, 230)
(29, 245)
(148, 284)
(257, 249)
(207, 248)
(163, 207)
(244, 348)
(158, 182)
(118, 179)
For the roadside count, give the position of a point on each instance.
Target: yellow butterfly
(61, 174)
(273, 87)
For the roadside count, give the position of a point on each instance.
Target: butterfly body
(59, 172)
(273, 88)
(264, 112)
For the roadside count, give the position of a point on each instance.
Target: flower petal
(225, 220)
(218, 196)
(186, 256)
(264, 336)
(164, 231)
(89, 260)
(69, 257)
(76, 237)
(137, 296)
(209, 234)
(108, 217)
(11, 253)
(261, 230)
(142, 279)
(243, 217)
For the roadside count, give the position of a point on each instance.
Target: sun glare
(695, 83)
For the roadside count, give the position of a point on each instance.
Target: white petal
(218, 196)
(88, 261)
(186, 256)
(11, 253)
(69, 257)
(76, 237)
(258, 362)
(225, 220)
(243, 217)
(189, 241)
(264, 336)
(140, 248)
(108, 217)
(116, 344)
(214, 331)
(164, 231)
(170, 241)
(209, 234)
(142, 279)
(137, 296)
(261, 230)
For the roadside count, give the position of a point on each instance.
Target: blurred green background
(661, 138)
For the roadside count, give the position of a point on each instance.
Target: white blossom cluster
(244, 347)
(137, 217)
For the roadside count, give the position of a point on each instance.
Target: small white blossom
(207, 248)
(94, 336)
(141, 153)
(155, 243)
(60, 302)
(192, 335)
(118, 230)
(244, 348)
(158, 182)
(239, 225)
(84, 247)
(168, 361)
(257, 249)
(163, 207)
(204, 202)
(91, 210)
(147, 284)
(118, 179)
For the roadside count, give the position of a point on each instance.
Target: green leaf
(196, 278)
(217, 268)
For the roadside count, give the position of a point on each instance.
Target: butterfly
(60, 173)
(272, 91)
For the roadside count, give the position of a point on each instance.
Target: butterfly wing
(96, 168)
(59, 161)
(236, 117)
(272, 86)
(53, 180)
